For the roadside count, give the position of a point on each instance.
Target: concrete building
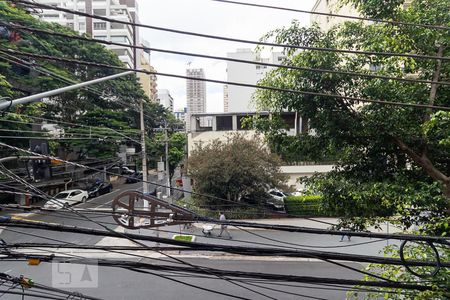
(331, 6)
(124, 10)
(224, 124)
(180, 114)
(239, 99)
(195, 94)
(165, 99)
(148, 81)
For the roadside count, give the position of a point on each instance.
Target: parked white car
(68, 197)
(276, 198)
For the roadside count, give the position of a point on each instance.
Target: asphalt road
(118, 284)
(124, 284)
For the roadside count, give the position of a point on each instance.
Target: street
(115, 283)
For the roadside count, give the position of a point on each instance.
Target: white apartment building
(221, 125)
(331, 6)
(165, 99)
(239, 99)
(195, 94)
(124, 10)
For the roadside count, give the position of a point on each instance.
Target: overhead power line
(122, 235)
(270, 88)
(393, 22)
(40, 69)
(75, 12)
(436, 239)
(308, 69)
(236, 274)
(253, 251)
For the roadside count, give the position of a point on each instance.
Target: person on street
(344, 229)
(223, 227)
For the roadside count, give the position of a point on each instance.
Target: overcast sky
(209, 17)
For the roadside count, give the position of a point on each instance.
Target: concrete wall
(296, 172)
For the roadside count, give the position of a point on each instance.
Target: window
(120, 39)
(82, 26)
(224, 123)
(119, 52)
(117, 26)
(69, 16)
(51, 16)
(99, 25)
(100, 12)
(100, 37)
(70, 25)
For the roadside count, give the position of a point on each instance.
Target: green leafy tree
(113, 104)
(384, 152)
(177, 149)
(418, 252)
(234, 168)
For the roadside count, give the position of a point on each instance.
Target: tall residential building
(124, 10)
(237, 98)
(148, 81)
(165, 99)
(331, 6)
(195, 94)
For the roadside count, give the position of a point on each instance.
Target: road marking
(104, 204)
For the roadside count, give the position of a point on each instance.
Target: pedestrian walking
(223, 227)
(344, 230)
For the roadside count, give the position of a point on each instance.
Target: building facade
(221, 125)
(165, 99)
(237, 98)
(180, 114)
(148, 81)
(124, 10)
(331, 6)
(195, 94)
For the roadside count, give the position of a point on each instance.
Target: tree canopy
(236, 168)
(113, 104)
(385, 154)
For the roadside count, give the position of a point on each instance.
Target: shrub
(308, 205)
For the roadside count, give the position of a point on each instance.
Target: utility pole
(167, 159)
(142, 126)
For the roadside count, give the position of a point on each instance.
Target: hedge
(308, 205)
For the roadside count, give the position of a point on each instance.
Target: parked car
(135, 178)
(99, 188)
(276, 198)
(122, 170)
(68, 197)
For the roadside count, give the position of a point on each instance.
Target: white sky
(209, 17)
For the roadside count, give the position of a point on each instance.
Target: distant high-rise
(165, 99)
(238, 98)
(195, 94)
(123, 10)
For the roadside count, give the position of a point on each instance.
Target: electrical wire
(118, 234)
(59, 122)
(263, 87)
(290, 67)
(75, 12)
(435, 239)
(67, 80)
(292, 245)
(154, 183)
(254, 251)
(392, 22)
